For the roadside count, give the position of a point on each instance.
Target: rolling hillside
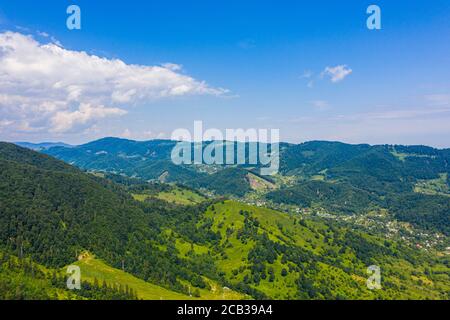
(205, 248)
(284, 257)
(94, 270)
(53, 211)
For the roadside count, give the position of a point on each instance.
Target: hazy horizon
(168, 139)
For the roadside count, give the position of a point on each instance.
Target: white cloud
(337, 73)
(63, 121)
(45, 87)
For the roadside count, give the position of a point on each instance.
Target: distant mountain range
(42, 146)
(412, 181)
(149, 159)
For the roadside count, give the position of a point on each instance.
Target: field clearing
(181, 196)
(433, 186)
(92, 269)
(177, 195)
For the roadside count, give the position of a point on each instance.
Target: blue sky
(248, 64)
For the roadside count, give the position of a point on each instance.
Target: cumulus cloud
(63, 121)
(45, 87)
(337, 73)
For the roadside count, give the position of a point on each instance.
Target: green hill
(93, 270)
(279, 256)
(23, 279)
(52, 211)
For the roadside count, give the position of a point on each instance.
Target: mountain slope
(23, 279)
(56, 210)
(272, 254)
(52, 211)
(42, 146)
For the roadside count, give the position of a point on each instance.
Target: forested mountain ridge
(54, 215)
(69, 207)
(10, 152)
(337, 177)
(337, 160)
(42, 146)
